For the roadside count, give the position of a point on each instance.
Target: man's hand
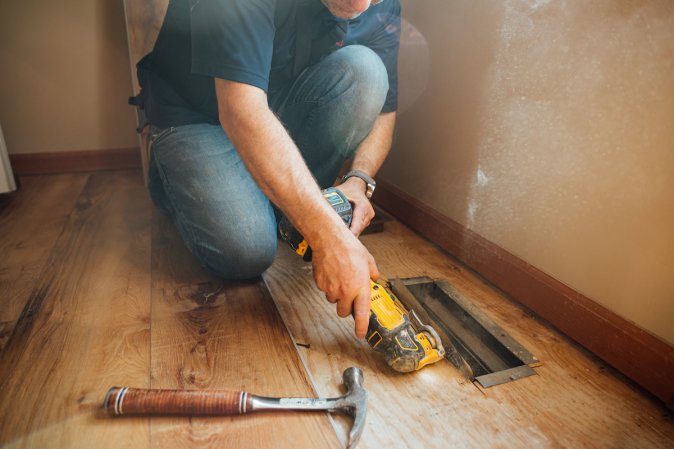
(343, 268)
(363, 212)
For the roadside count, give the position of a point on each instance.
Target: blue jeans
(197, 177)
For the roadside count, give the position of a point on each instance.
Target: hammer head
(354, 403)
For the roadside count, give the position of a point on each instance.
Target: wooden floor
(97, 290)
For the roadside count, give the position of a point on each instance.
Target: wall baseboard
(639, 355)
(74, 161)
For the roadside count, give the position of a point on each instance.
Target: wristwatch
(369, 182)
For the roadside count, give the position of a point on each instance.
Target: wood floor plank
(85, 327)
(30, 222)
(574, 401)
(208, 333)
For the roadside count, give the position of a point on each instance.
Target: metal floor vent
(493, 356)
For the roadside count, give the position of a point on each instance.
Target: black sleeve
(233, 39)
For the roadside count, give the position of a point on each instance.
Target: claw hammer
(138, 401)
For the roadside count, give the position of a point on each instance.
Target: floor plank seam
(305, 364)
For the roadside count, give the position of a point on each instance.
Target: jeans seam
(179, 213)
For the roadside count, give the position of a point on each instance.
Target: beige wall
(547, 126)
(65, 76)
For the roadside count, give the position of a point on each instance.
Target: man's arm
(368, 158)
(342, 265)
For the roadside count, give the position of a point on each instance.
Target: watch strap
(369, 181)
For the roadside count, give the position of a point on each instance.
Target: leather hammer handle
(136, 401)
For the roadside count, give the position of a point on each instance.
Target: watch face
(370, 190)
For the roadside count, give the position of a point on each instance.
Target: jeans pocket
(157, 134)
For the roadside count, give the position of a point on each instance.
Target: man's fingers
(344, 307)
(374, 271)
(361, 313)
(359, 308)
(361, 218)
(358, 221)
(363, 213)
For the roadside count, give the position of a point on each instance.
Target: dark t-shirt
(249, 41)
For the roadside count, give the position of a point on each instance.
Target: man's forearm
(368, 158)
(373, 150)
(273, 159)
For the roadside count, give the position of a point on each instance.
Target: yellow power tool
(405, 343)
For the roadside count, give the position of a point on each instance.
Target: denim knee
(233, 258)
(222, 216)
(365, 73)
(333, 108)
